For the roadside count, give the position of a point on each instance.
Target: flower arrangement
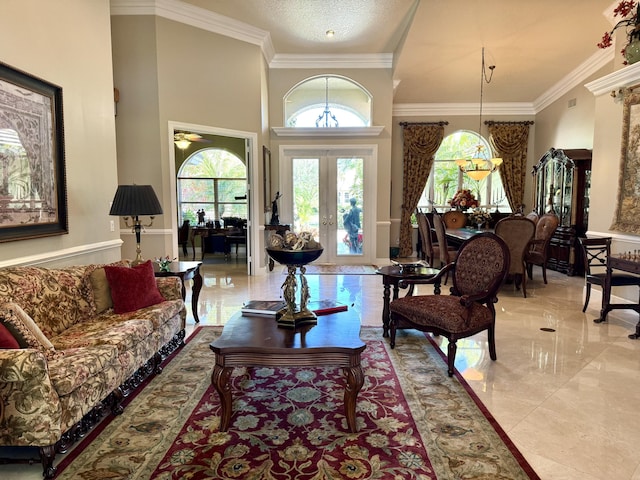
(463, 199)
(479, 216)
(624, 8)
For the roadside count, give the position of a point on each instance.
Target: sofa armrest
(170, 287)
(30, 408)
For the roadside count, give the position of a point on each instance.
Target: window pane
(196, 190)
(229, 189)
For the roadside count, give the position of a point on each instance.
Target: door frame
(370, 201)
(253, 204)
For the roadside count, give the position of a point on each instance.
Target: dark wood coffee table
(259, 342)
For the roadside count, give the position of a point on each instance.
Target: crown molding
(199, 18)
(347, 60)
(590, 66)
(462, 109)
(625, 77)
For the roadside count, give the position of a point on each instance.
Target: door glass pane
(350, 181)
(306, 198)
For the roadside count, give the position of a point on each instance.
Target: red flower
(624, 8)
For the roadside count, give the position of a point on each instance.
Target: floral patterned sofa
(74, 342)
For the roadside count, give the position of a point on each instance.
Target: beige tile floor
(566, 398)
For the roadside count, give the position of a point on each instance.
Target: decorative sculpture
(275, 219)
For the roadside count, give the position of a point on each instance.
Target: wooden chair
(430, 249)
(478, 272)
(538, 252)
(517, 231)
(533, 216)
(454, 219)
(183, 236)
(595, 252)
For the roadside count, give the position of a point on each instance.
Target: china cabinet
(562, 180)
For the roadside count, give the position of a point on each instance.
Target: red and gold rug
(414, 422)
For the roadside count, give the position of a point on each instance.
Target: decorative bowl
(294, 257)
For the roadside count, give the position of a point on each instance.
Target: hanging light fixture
(326, 117)
(480, 165)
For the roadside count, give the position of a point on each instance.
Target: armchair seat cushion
(443, 312)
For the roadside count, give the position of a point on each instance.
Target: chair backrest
(438, 225)
(481, 265)
(454, 219)
(517, 231)
(545, 229)
(183, 232)
(533, 216)
(424, 230)
(595, 252)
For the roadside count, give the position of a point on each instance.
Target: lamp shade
(134, 200)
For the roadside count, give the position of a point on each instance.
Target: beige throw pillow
(23, 328)
(101, 290)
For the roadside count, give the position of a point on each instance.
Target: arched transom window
(327, 101)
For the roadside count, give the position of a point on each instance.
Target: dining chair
(446, 254)
(538, 252)
(533, 216)
(595, 252)
(517, 231)
(478, 272)
(454, 219)
(430, 249)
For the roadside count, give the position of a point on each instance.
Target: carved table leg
(355, 380)
(220, 380)
(195, 293)
(385, 310)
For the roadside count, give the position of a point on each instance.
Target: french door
(326, 195)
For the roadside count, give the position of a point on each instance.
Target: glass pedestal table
(258, 342)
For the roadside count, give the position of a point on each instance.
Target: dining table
(457, 236)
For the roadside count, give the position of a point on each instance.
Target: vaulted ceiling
(434, 46)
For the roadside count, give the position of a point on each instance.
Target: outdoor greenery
(210, 180)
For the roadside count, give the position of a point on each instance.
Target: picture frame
(627, 215)
(33, 192)
(266, 162)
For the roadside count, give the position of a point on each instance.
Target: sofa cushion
(101, 290)
(122, 333)
(71, 370)
(23, 329)
(133, 288)
(6, 339)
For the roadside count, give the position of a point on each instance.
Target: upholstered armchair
(517, 231)
(539, 247)
(479, 270)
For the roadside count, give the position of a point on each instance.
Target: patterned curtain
(421, 142)
(509, 141)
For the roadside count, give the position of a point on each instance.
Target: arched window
(327, 101)
(445, 178)
(213, 180)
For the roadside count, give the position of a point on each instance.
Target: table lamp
(133, 201)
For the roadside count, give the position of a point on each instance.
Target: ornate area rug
(338, 270)
(414, 422)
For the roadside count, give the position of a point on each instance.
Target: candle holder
(295, 316)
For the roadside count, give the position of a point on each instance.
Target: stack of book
(273, 308)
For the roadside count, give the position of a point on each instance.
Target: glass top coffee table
(392, 276)
(252, 341)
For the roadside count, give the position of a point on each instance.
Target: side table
(186, 271)
(393, 275)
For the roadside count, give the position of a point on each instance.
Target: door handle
(330, 219)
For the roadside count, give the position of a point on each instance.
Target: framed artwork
(266, 161)
(33, 195)
(627, 215)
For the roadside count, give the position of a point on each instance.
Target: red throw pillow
(6, 339)
(133, 288)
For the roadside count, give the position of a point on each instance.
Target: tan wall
(181, 74)
(37, 36)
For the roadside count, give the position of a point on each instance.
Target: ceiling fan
(184, 139)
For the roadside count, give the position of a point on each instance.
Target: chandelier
(481, 164)
(326, 118)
